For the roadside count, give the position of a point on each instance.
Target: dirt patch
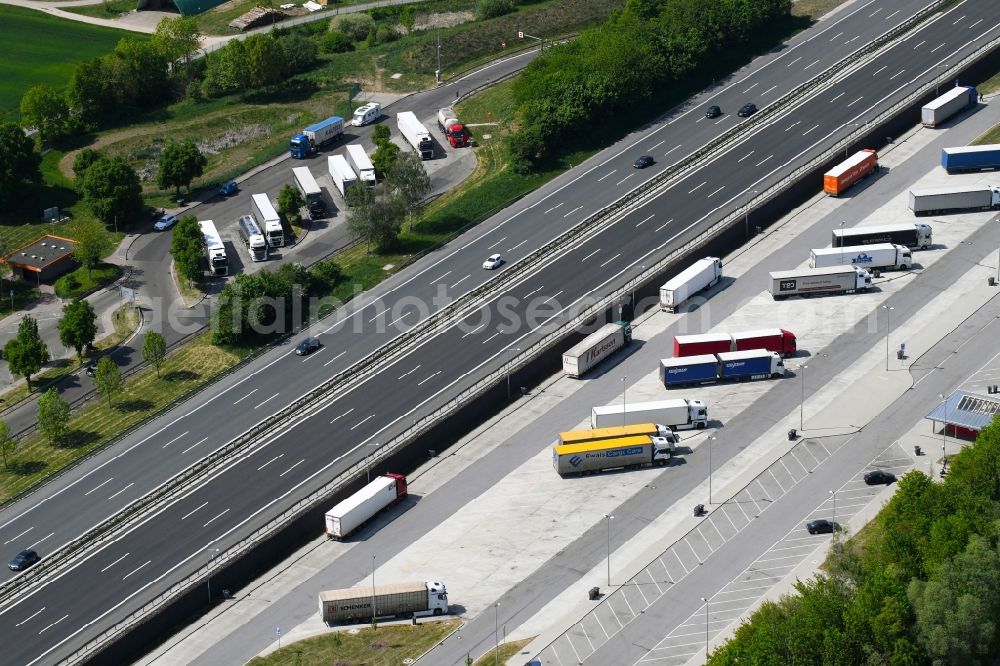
(440, 20)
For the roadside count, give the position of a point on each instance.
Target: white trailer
(881, 255)
(268, 219)
(940, 200)
(310, 191)
(700, 275)
(252, 238)
(914, 236)
(596, 347)
(355, 603)
(358, 158)
(218, 262)
(818, 281)
(360, 507)
(342, 174)
(939, 110)
(415, 134)
(679, 414)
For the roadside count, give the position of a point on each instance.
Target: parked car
(879, 477)
(493, 261)
(91, 370)
(713, 112)
(229, 188)
(644, 161)
(747, 110)
(165, 222)
(821, 526)
(23, 560)
(308, 346)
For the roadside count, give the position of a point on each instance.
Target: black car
(879, 477)
(91, 370)
(713, 112)
(23, 560)
(819, 527)
(644, 161)
(747, 110)
(307, 346)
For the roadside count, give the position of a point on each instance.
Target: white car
(492, 261)
(165, 222)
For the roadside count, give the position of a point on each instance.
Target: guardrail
(318, 397)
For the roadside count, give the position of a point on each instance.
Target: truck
(970, 159)
(310, 191)
(451, 128)
(252, 237)
(342, 174)
(218, 262)
(624, 452)
(708, 368)
(850, 171)
(879, 255)
(677, 413)
(818, 281)
(351, 513)
(315, 136)
(399, 599)
(268, 219)
(358, 158)
(944, 107)
(916, 236)
(958, 198)
(367, 113)
(596, 347)
(777, 340)
(702, 274)
(616, 432)
(415, 134)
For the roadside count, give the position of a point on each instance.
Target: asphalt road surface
(123, 574)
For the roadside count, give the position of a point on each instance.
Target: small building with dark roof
(44, 260)
(964, 414)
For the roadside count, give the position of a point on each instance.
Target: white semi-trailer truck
(415, 134)
(268, 219)
(596, 347)
(818, 281)
(408, 599)
(358, 159)
(342, 174)
(679, 414)
(881, 255)
(702, 274)
(218, 262)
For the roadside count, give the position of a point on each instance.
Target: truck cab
(437, 598)
(300, 147)
(698, 413)
(663, 450)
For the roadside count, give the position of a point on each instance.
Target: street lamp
(841, 243)
(624, 406)
(705, 601)
(937, 77)
(368, 465)
(834, 527)
(802, 397)
(710, 440)
(944, 429)
(746, 211)
(509, 350)
(610, 518)
(496, 638)
(212, 552)
(888, 323)
(642, 269)
(374, 622)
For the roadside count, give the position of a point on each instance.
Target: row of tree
(921, 588)
(603, 82)
(259, 61)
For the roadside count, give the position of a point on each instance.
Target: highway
(218, 513)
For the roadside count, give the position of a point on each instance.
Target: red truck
(453, 130)
(850, 171)
(777, 340)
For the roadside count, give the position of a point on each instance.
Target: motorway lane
(362, 421)
(444, 275)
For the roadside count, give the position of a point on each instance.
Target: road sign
(520, 35)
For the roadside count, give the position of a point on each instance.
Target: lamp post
(437, 72)
(610, 518)
(496, 633)
(374, 622)
(841, 243)
(944, 429)
(937, 77)
(368, 465)
(509, 350)
(624, 406)
(888, 323)
(802, 397)
(212, 552)
(834, 527)
(642, 269)
(705, 601)
(710, 440)
(746, 212)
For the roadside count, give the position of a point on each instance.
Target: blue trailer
(969, 159)
(725, 366)
(314, 137)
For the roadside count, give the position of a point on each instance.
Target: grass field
(39, 48)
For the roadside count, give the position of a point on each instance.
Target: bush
(325, 276)
(487, 9)
(335, 42)
(355, 26)
(384, 34)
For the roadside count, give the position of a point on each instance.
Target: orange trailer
(850, 171)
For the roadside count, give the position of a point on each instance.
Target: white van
(368, 113)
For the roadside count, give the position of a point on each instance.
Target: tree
(45, 108)
(18, 161)
(335, 42)
(53, 416)
(26, 353)
(380, 134)
(266, 58)
(87, 93)
(154, 350)
(92, 243)
(177, 38)
(385, 156)
(82, 161)
(108, 378)
(180, 163)
(406, 18)
(112, 190)
(409, 180)
(187, 247)
(290, 202)
(78, 325)
(7, 444)
(378, 221)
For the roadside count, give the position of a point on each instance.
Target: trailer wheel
(437, 611)
(700, 426)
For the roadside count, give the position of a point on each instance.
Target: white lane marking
(793, 125)
(115, 562)
(436, 280)
(415, 368)
(137, 568)
(460, 281)
(591, 254)
(317, 352)
(855, 101)
(15, 538)
(572, 211)
(553, 296)
(611, 259)
(511, 249)
(490, 247)
(379, 314)
(30, 617)
(834, 38)
(257, 406)
(975, 24)
(200, 441)
(877, 71)
(696, 188)
(672, 149)
(214, 518)
(750, 88)
(941, 45)
(810, 129)
(186, 431)
(344, 414)
(896, 74)
(814, 62)
(96, 487)
(531, 293)
(645, 221)
(852, 39)
(918, 45)
(891, 15)
(624, 179)
(121, 491)
(41, 540)
(291, 468)
(958, 19)
(875, 12)
(553, 208)
(768, 90)
(837, 97)
(280, 455)
(358, 424)
(764, 160)
(491, 337)
(238, 401)
(610, 173)
(402, 317)
(745, 156)
(53, 624)
(475, 330)
(660, 228)
(652, 148)
(715, 192)
(334, 358)
(427, 379)
(794, 61)
(195, 510)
